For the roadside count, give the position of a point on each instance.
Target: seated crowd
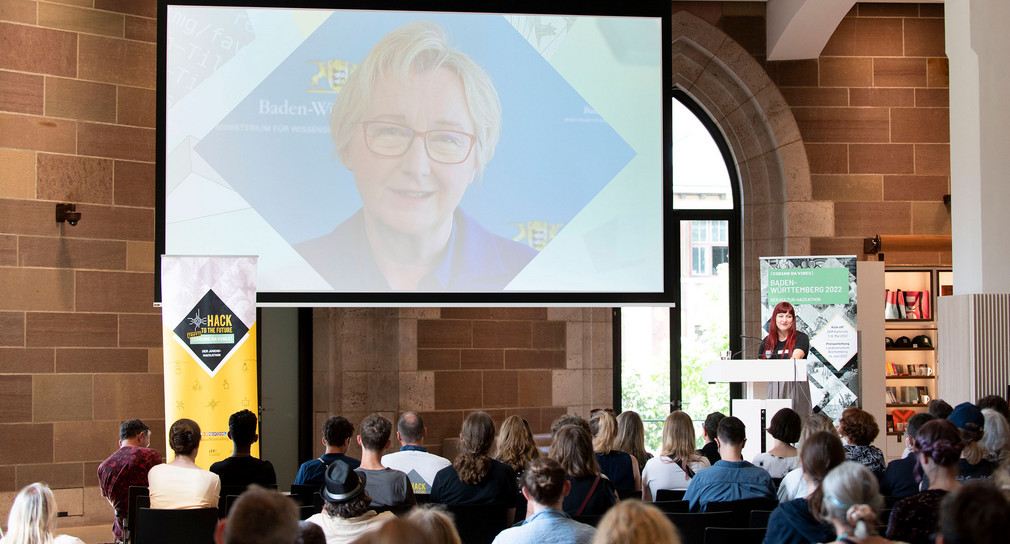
(596, 484)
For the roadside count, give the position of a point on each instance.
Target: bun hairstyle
(184, 436)
(851, 497)
(544, 479)
(940, 440)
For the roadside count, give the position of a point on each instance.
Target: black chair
(479, 523)
(776, 482)
(307, 495)
(588, 520)
(176, 526)
(625, 495)
(742, 508)
(397, 510)
(673, 507)
(306, 512)
(422, 498)
(228, 492)
(669, 494)
(139, 497)
(734, 535)
(759, 518)
(692, 525)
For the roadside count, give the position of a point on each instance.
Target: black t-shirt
(601, 500)
(802, 343)
(242, 471)
(711, 452)
(497, 487)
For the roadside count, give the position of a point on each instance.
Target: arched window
(662, 350)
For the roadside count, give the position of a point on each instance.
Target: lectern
(755, 373)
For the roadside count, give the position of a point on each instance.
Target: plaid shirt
(128, 466)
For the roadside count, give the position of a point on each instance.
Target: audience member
(259, 516)
(708, 431)
(995, 402)
(620, 467)
(785, 429)
(474, 477)
(899, 480)
(545, 486)
(1001, 478)
(395, 531)
(635, 522)
(386, 487)
(631, 437)
(346, 514)
(858, 428)
(515, 445)
(337, 433)
(938, 448)
(852, 503)
(796, 521)
(413, 459)
(939, 408)
(242, 469)
(569, 419)
(591, 492)
(794, 485)
(678, 461)
(32, 518)
(126, 467)
(731, 478)
(971, 423)
(435, 523)
(310, 533)
(180, 484)
(975, 513)
(996, 440)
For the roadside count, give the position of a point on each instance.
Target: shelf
(895, 433)
(909, 349)
(905, 405)
(908, 321)
(903, 377)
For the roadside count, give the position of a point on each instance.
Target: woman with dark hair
(591, 492)
(474, 477)
(858, 428)
(180, 484)
(545, 487)
(784, 341)
(620, 467)
(915, 518)
(631, 437)
(975, 513)
(785, 429)
(794, 521)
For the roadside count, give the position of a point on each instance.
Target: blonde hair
(604, 427)
(631, 436)
(423, 47)
(515, 443)
(32, 517)
(816, 423)
(635, 522)
(852, 498)
(435, 522)
(679, 438)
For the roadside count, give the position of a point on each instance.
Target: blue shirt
(728, 481)
(548, 526)
(313, 471)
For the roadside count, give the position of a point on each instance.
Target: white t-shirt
(419, 466)
(58, 539)
(663, 473)
(339, 530)
(182, 488)
(793, 486)
(776, 466)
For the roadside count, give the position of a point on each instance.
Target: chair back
(176, 526)
(670, 494)
(742, 508)
(479, 523)
(307, 495)
(227, 496)
(588, 520)
(625, 495)
(759, 518)
(673, 507)
(692, 525)
(734, 535)
(139, 497)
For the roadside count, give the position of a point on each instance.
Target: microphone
(747, 347)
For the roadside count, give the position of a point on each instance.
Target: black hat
(888, 342)
(922, 341)
(342, 483)
(903, 342)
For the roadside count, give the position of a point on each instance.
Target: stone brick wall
(79, 338)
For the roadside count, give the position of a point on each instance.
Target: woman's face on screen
(412, 193)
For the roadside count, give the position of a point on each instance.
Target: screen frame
(671, 265)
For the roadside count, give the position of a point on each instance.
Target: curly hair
(858, 427)
(475, 440)
(516, 447)
(351, 508)
(374, 432)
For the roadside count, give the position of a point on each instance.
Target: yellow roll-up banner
(209, 328)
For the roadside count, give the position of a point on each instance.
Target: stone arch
(760, 129)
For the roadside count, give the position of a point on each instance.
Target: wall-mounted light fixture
(67, 213)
